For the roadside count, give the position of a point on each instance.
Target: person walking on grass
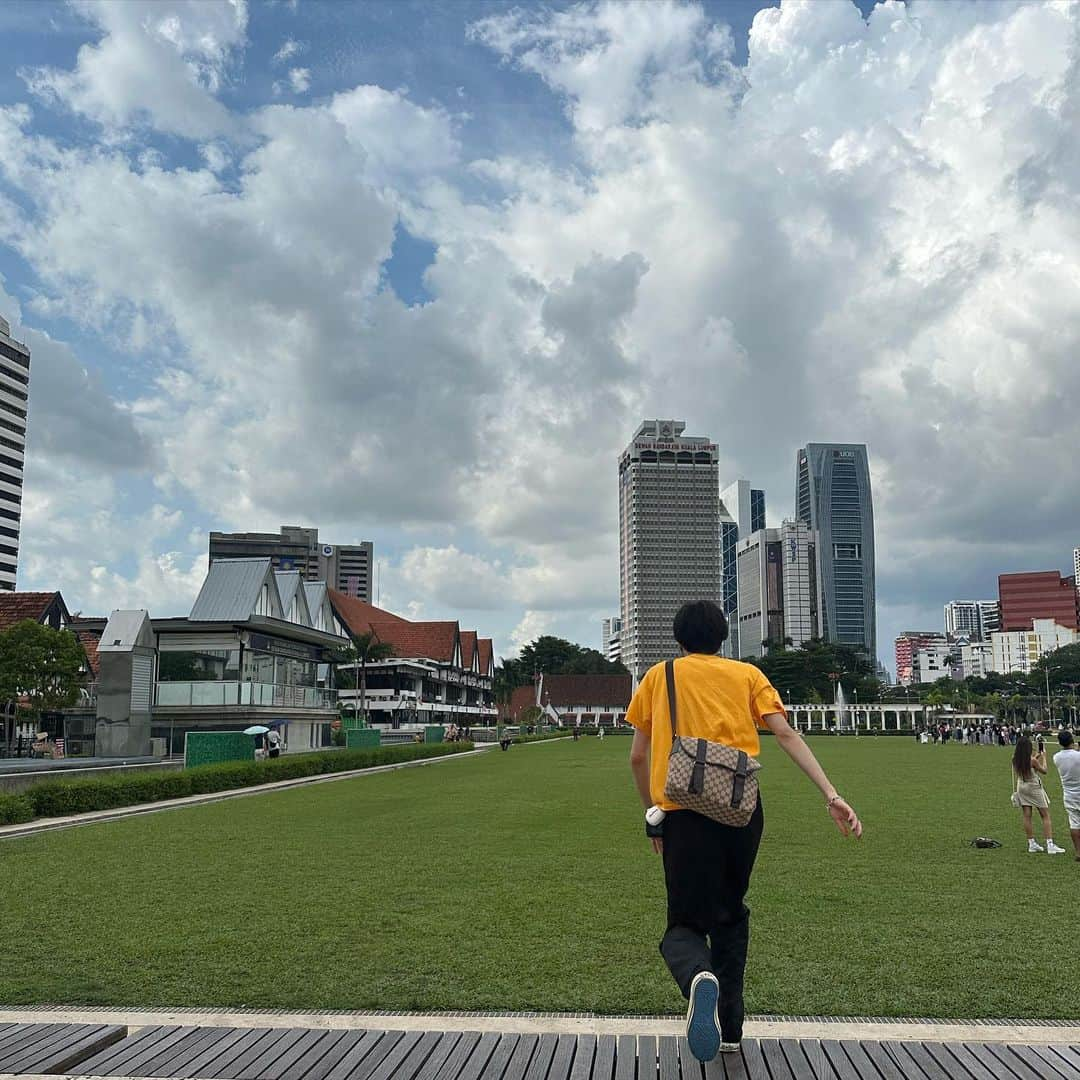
(1067, 761)
(1028, 771)
(707, 865)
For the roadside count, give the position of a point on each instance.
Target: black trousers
(707, 869)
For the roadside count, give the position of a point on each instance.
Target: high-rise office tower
(742, 512)
(669, 536)
(974, 619)
(14, 397)
(345, 567)
(832, 495)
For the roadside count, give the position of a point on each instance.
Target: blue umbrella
(256, 729)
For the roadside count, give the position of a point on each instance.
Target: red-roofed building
(438, 673)
(570, 700)
(47, 608)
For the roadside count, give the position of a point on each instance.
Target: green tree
(815, 668)
(1063, 667)
(40, 666)
(365, 649)
(550, 655)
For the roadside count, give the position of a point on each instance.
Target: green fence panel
(434, 733)
(211, 747)
(359, 737)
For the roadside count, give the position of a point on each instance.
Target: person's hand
(847, 821)
(658, 845)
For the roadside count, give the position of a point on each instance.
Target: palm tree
(366, 648)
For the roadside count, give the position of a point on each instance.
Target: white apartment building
(1021, 650)
(777, 595)
(933, 662)
(14, 397)
(669, 536)
(610, 631)
(973, 619)
(976, 660)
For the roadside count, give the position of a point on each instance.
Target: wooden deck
(53, 1048)
(216, 1053)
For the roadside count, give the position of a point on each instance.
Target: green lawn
(522, 880)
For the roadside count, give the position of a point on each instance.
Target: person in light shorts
(1029, 794)
(1067, 761)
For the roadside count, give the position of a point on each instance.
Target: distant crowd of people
(457, 734)
(986, 734)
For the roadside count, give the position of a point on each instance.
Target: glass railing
(265, 695)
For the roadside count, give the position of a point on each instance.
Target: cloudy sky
(413, 273)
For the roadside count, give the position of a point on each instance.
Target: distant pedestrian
(273, 743)
(719, 704)
(1067, 760)
(600, 732)
(1029, 794)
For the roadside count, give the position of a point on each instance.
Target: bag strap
(669, 671)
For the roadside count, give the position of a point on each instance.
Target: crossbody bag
(709, 777)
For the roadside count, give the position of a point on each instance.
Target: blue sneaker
(702, 1023)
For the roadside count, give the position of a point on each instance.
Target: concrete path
(881, 1029)
(41, 825)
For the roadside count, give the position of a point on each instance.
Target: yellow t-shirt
(716, 699)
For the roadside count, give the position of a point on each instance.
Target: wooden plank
(775, 1060)
(361, 1063)
(1069, 1054)
(820, 1065)
(689, 1066)
(53, 1038)
(981, 1052)
(312, 1055)
(32, 1035)
(798, 1060)
(583, 1057)
(1064, 1069)
(73, 1053)
(925, 1061)
(541, 1060)
(143, 1050)
(208, 1051)
(208, 1036)
(735, 1066)
(756, 1069)
(667, 1052)
(443, 1049)
(98, 1064)
(957, 1062)
(218, 1062)
(143, 1062)
(626, 1057)
(11, 1032)
(1039, 1064)
(499, 1062)
(452, 1062)
(563, 1057)
(272, 1053)
(1023, 1057)
(858, 1061)
(474, 1066)
(306, 1043)
(316, 1067)
(883, 1062)
(1014, 1065)
(646, 1058)
(391, 1063)
(519, 1061)
(604, 1058)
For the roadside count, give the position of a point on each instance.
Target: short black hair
(1065, 738)
(701, 627)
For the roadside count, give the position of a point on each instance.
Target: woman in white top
(1028, 771)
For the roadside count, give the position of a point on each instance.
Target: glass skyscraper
(832, 495)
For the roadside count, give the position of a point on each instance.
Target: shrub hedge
(57, 798)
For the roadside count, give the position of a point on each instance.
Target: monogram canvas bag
(709, 777)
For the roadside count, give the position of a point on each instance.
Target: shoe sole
(702, 1022)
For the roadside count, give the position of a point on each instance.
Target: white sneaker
(729, 1048)
(1053, 849)
(1034, 846)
